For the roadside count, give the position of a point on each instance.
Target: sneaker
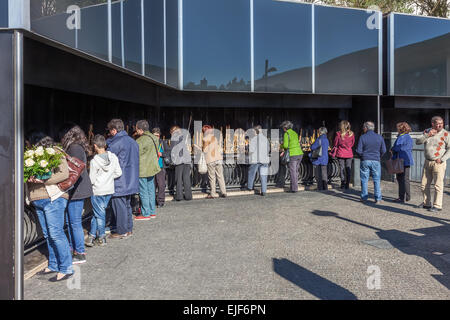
(78, 258)
(378, 201)
(101, 241)
(423, 206)
(224, 195)
(142, 218)
(434, 209)
(152, 216)
(90, 241)
(117, 236)
(263, 194)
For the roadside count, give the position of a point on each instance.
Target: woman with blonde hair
(343, 144)
(403, 149)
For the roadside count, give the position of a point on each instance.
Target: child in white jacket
(104, 168)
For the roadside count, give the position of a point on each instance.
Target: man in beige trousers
(437, 152)
(214, 161)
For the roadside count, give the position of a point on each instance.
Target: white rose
(39, 151)
(29, 154)
(29, 162)
(43, 163)
(50, 151)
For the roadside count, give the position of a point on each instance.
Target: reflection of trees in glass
(43, 8)
(233, 85)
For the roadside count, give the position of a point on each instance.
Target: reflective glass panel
(3, 13)
(282, 36)
(422, 56)
(154, 39)
(346, 51)
(116, 16)
(172, 42)
(51, 20)
(93, 34)
(216, 45)
(132, 35)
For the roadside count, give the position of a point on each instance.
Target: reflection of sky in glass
(342, 31)
(3, 14)
(116, 34)
(412, 29)
(93, 35)
(154, 39)
(132, 34)
(282, 35)
(172, 42)
(216, 37)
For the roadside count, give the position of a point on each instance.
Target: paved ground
(308, 245)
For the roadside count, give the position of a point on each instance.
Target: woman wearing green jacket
(291, 143)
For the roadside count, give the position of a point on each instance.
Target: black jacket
(83, 187)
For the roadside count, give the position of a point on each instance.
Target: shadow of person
(434, 242)
(311, 282)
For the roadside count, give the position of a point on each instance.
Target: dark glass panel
(172, 42)
(154, 39)
(116, 9)
(422, 56)
(93, 34)
(3, 13)
(282, 35)
(132, 35)
(346, 51)
(216, 45)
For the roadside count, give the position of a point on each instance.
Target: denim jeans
(98, 222)
(370, 168)
(51, 219)
(263, 169)
(147, 195)
(76, 234)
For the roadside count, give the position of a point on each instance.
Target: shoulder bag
(76, 167)
(286, 156)
(317, 153)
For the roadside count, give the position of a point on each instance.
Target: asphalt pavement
(308, 245)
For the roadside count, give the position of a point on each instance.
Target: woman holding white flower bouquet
(44, 169)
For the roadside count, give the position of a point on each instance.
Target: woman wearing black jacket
(75, 143)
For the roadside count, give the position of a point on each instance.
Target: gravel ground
(308, 245)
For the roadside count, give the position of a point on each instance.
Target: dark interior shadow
(311, 282)
(434, 241)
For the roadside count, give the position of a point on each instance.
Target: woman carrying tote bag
(402, 149)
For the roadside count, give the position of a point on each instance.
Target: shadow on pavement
(311, 282)
(434, 241)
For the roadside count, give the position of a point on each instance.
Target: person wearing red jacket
(343, 144)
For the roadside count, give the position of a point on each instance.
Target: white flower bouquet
(39, 162)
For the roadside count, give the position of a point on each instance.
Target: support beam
(7, 174)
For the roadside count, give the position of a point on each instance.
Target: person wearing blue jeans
(148, 196)
(75, 143)
(371, 148)
(259, 159)
(99, 204)
(51, 219)
(75, 229)
(370, 168)
(148, 169)
(263, 169)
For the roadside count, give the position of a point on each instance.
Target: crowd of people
(121, 166)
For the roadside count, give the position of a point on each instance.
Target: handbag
(286, 156)
(317, 153)
(395, 166)
(202, 167)
(76, 167)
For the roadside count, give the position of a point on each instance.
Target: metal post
(109, 31)
(252, 50)
(18, 164)
(313, 50)
(180, 44)
(379, 115)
